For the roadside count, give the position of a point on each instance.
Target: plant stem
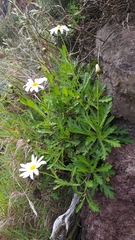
(98, 97)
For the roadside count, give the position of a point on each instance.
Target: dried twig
(64, 220)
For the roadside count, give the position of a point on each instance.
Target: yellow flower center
(59, 27)
(34, 84)
(32, 167)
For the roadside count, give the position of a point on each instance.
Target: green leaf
(81, 167)
(84, 160)
(108, 190)
(75, 128)
(126, 140)
(81, 149)
(105, 99)
(80, 205)
(89, 184)
(30, 103)
(89, 121)
(113, 142)
(109, 131)
(92, 204)
(74, 142)
(79, 178)
(60, 167)
(104, 168)
(74, 170)
(54, 196)
(104, 113)
(90, 139)
(123, 136)
(104, 150)
(108, 121)
(65, 91)
(62, 182)
(56, 90)
(98, 179)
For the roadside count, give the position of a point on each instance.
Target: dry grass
(22, 200)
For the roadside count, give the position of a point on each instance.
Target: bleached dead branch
(64, 220)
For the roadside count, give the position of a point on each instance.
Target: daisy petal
(27, 89)
(22, 169)
(36, 172)
(65, 28)
(41, 163)
(61, 30)
(30, 81)
(31, 176)
(41, 80)
(41, 87)
(36, 89)
(24, 175)
(40, 158)
(23, 165)
(33, 158)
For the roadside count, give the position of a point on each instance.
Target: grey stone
(115, 46)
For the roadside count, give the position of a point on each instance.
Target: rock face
(116, 220)
(3, 7)
(115, 46)
(22, 4)
(116, 50)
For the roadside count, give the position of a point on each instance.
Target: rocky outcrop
(115, 46)
(22, 4)
(5, 5)
(116, 220)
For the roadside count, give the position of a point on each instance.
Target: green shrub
(72, 121)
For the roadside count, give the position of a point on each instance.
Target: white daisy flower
(35, 85)
(31, 168)
(61, 28)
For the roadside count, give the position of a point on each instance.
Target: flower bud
(43, 49)
(98, 69)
